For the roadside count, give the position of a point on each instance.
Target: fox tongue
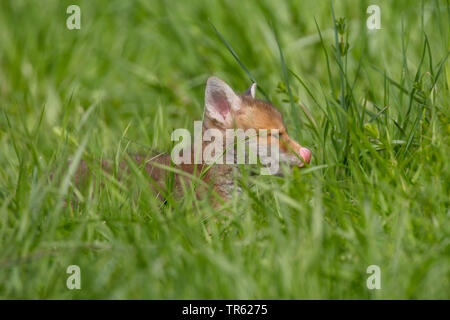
(306, 154)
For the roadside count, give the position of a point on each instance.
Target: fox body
(224, 109)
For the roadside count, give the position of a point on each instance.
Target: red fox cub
(224, 111)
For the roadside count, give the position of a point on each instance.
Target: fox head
(224, 109)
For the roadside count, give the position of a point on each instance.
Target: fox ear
(220, 100)
(251, 91)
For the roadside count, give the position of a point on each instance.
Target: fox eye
(276, 135)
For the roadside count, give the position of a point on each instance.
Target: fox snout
(291, 152)
(305, 154)
(298, 156)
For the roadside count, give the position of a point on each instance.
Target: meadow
(371, 105)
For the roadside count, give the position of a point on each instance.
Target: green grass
(376, 119)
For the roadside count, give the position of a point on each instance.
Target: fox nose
(305, 154)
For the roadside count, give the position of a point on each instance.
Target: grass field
(375, 114)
